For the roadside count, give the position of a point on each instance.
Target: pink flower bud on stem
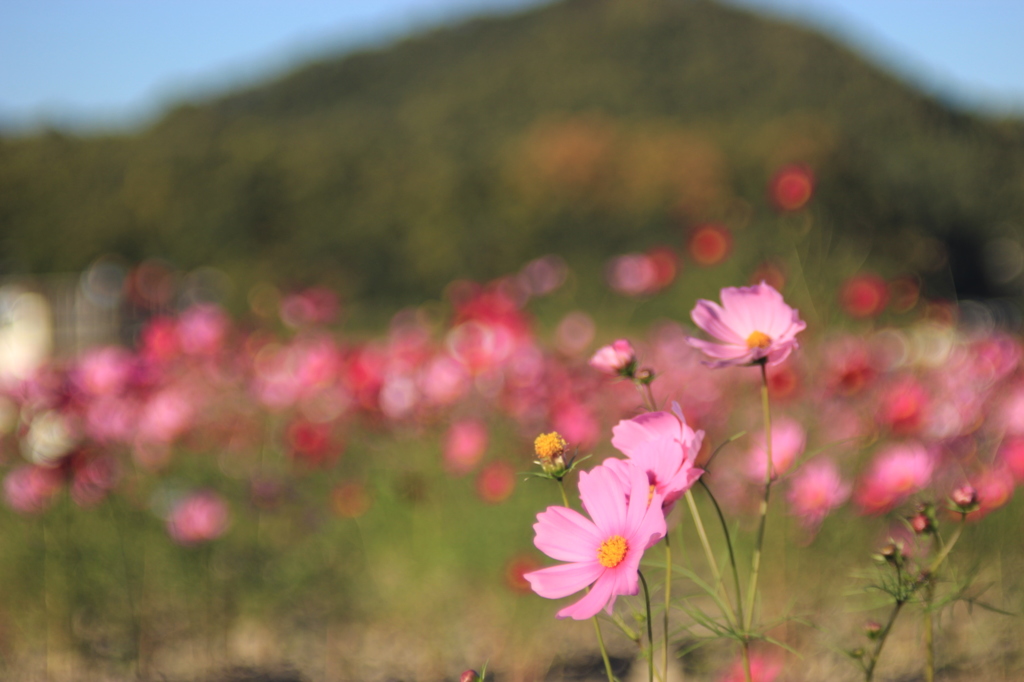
(616, 359)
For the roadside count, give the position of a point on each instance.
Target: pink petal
(630, 434)
(566, 535)
(718, 350)
(599, 597)
(714, 320)
(560, 581)
(604, 500)
(639, 494)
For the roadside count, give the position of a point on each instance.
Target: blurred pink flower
(604, 553)
(788, 441)
(763, 668)
(753, 324)
(198, 518)
(464, 445)
(202, 329)
(576, 423)
(1011, 453)
(1011, 412)
(897, 472)
(166, 415)
(30, 489)
(864, 295)
(994, 487)
(104, 371)
(664, 447)
(496, 482)
(791, 187)
(903, 407)
(815, 491)
(615, 358)
(633, 274)
(443, 380)
(709, 244)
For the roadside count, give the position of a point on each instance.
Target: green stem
(755, 566)
(604, 651)
(702, 534)
(929, 633)
(668, 602)
(650, 630)
(728, 544)
(648, 394)
(869, 672)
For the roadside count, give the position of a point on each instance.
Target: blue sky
(101, 63)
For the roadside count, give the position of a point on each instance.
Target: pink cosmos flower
(604, 553)
(30, 489)
(1011, 454)
(897, 472)
(815, 491)
(664, 447)
(762, 669)
(464, 444)
(496, 482)
(994, 486)
(198, 518)
(202, 329)
(753, 324)
(788, 441)
(614, 359)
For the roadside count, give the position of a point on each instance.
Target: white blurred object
(26, 332)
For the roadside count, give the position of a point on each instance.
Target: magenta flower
(615, 359)
(753, 324)
(664, 447)
(604, 553)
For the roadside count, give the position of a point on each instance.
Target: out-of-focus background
(287, 289)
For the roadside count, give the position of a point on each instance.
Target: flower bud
(470, 676)
(924, 520)
(550, 449)
(920, 523)
(873, 629)
(964, 498)
(617, 359)
(891, 552)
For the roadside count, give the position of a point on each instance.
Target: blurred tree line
(585, 128)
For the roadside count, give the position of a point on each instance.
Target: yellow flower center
(549, 445)
(758, 340)
(612, 551)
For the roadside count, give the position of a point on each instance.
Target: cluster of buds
(550, 449)
(964, 499)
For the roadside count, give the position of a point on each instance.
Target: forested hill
(585, 128)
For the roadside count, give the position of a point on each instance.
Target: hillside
(585, 128)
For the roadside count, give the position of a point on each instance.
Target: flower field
(797, 483)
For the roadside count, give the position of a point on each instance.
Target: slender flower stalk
(755, 565)
(650, 630)
(869, 671)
